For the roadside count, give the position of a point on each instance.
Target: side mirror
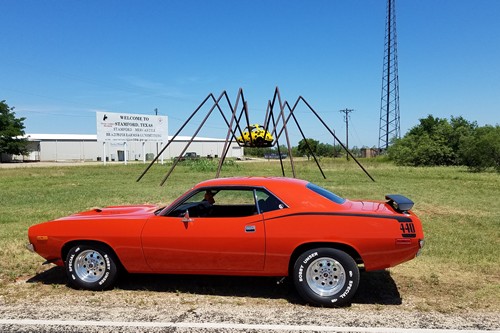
(186, 217)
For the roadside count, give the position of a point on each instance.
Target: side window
(268, 202)
(218, 202)
(192, 204)
(197, 197)
(234, 203)
(228, 197)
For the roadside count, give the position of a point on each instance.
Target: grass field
(459, 267)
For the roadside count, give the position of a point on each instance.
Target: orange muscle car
(251, 226)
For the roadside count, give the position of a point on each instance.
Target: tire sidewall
(110, 273)
(344, 295)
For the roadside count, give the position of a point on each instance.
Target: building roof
(62, 137)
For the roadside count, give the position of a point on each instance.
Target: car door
(230, 237)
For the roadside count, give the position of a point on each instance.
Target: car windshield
(325, 193)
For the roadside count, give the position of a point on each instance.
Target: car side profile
(246, 226)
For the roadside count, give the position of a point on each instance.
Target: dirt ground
(212, 299)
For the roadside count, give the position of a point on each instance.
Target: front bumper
(30, 247)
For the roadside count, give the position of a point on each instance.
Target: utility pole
(346, 112)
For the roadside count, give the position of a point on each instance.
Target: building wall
(204, 149)
(369, 152)
(63, 150)
(91, 150)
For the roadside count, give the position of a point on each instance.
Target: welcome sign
(124, 127)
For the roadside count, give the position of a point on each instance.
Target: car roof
(278, 184)
(251, 181)
(292, 191)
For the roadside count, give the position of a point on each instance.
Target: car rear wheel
(91, 267)
(326, 277)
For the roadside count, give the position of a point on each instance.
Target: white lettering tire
(326, 277)
(91, 267)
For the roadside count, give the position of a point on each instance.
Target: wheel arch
(314, 245)
(66, 247)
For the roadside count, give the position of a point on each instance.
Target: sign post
(104, 152)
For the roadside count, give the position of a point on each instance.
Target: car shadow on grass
(374, 288)
(54, 276)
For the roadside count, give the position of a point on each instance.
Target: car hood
(136, 211)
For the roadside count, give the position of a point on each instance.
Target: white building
(85, 147)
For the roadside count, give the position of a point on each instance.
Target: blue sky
(61, 61)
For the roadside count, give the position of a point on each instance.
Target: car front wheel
(91, 267)
(326, 277)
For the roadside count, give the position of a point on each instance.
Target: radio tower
(389, 102)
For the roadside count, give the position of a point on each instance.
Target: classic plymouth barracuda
(251, 226)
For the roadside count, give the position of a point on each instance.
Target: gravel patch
(218, 299)
(58, 302)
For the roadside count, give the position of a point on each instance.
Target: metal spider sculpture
(252, 135)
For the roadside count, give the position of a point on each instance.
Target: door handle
(249, 228)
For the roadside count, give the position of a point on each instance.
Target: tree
(308, 147)
(434, 141)
(424, 150)
(325, 150)
(258, 151)
(337, 151)
(482, 150)
(11, 132)
(355, 151)
(263, 151)
(462, 129)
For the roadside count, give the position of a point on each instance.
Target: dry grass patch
(448, 287)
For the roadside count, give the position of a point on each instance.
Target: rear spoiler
(399, 202)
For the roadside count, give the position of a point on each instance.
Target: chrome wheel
(325, 276)
(90, 266)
